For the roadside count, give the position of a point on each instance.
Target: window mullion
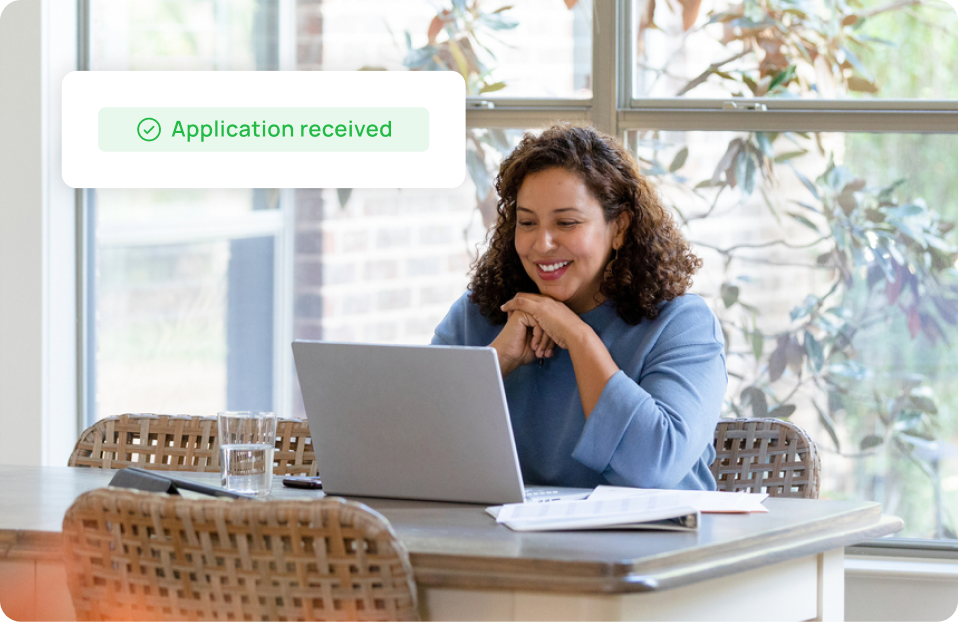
(691, 119)
(604, 69)
(506, 118)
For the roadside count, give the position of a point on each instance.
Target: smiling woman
(586, 273)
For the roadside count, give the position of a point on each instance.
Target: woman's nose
(544, 240)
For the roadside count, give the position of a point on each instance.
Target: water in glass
(247, 467)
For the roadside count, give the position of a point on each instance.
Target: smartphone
(302, 481)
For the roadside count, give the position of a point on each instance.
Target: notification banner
(263, 129)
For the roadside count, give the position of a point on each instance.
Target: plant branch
(892, 6)
(728, 251)
(702, 77)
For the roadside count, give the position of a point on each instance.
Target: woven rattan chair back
(132, 555)
(765, 455)
(181, 443)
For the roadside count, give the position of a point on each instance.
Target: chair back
(765, 455)
(131, 555)
(181, 443)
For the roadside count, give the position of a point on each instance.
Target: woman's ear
(622, 223)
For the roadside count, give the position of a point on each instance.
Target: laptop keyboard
(539, 494)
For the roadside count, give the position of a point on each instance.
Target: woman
(612, 373)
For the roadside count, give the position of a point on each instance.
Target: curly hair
(655, 262)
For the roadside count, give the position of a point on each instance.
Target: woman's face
(562, 237)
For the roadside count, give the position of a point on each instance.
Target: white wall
(38, 412)
(900, 588)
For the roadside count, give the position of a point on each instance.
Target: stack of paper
(707, 502)
(643, 512)
(612, 507)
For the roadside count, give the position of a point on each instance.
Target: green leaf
(492, 88)
(887, 191)
(856, 63)
(679, 159)
(729, 294)
(794, 355)
(807, 206)
(789, 155)
(808, 223)
(758, 344)
(776, 362)
(756, 397)
(849, 370)
(748, 184)
(814, 350)
(343, 194)
(782, 78)
(870, 441)
(829, 424)
(924, 404)
(805, 308)
(811, 187)
(782, 412)
(761, 139)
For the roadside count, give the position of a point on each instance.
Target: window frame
(612, 109)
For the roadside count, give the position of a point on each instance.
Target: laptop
(413, 422)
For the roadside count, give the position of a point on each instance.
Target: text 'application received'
(263, 129)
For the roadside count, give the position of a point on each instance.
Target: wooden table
(786, 564)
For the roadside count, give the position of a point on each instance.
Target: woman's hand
(518, 342)
(591, 361)
(558, 322)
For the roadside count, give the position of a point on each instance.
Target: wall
(37, 237)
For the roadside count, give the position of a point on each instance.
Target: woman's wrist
(581, 337)
(506, 364)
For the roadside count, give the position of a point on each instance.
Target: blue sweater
(653, 425)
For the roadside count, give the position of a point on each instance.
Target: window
(802, 145)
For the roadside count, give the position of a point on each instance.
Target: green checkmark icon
(145, 129)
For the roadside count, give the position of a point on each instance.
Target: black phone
(302, 481)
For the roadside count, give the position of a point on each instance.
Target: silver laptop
(413, 422)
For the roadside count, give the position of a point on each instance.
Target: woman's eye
(568, 223)
(526, 223)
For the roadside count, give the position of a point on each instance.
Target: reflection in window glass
(782, 48)
(536, 48)
(172, 326)
(183, 35)
(182, 298)
(831, 265)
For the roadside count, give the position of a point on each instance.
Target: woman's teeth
(552, 267)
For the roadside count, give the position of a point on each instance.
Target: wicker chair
(181, 443)
(766, 455)
(131, 555)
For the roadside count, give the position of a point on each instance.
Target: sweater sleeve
(650, 427)
(463, 326)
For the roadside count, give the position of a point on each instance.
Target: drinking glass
(247, 440)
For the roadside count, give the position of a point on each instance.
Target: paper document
(644, 512)
(707, 502)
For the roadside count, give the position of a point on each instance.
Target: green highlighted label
(263, 129)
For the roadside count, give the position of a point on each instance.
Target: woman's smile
(552, 271)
